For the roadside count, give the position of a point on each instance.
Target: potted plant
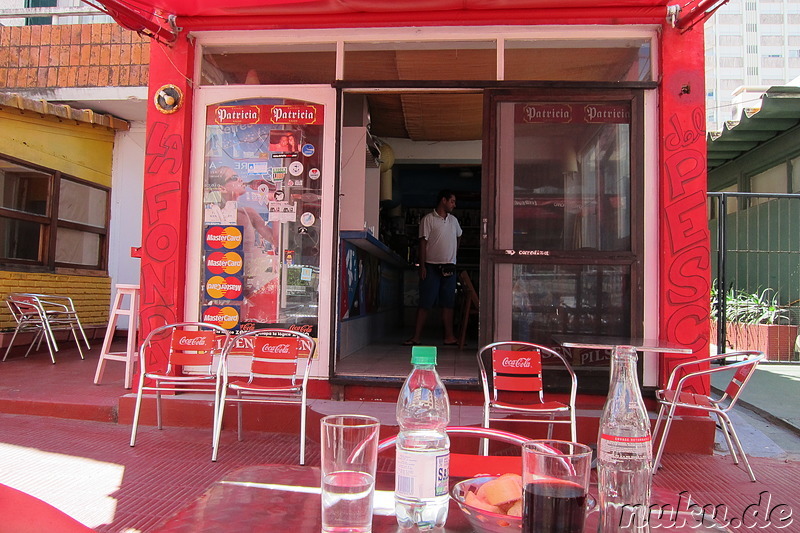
(755, 321)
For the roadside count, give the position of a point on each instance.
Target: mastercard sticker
(224, 262)
(223, 237)
(225, 316)
(224, 288)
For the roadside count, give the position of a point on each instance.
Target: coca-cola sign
(520, 362)
(191, 340)
(269, 348)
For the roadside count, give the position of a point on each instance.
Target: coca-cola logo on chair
(282, 348)
(190, 340)
(517, 362)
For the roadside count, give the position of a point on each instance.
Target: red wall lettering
(685, 248)
(166, 189)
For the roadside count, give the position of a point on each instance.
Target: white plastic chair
(44, 314)
(516, 389)
(194, 344)
(677, 395)
(280, 360)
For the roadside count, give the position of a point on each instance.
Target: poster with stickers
(262, 186)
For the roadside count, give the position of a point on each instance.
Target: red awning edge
(141, 22)
(698, 14)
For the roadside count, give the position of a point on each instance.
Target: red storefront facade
(662, 264)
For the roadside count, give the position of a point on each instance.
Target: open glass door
(561, 248)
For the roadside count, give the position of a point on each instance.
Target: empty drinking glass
(349, 459)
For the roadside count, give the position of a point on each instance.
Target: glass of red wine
(555, 477)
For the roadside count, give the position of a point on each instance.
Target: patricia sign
(232, 115)
(578, 113)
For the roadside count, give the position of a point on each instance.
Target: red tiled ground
(87, 468)
(163, 472)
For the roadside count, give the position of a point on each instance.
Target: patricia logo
(224, 263)
(229, 288)
(228, 237)
(227, 317)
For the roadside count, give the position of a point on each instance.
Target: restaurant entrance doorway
(437, 145)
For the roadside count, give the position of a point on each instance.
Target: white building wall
(125, 231)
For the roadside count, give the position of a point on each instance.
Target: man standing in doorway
(439, 236)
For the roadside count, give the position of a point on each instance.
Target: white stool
(131, 355)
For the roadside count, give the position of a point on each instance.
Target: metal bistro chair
(44, 314)
(517, 387)
(676, 395)
(280, 360)
(195, 344)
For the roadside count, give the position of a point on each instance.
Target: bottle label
(421, 474)
(616, 448)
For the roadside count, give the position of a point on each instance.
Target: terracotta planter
(777, 341)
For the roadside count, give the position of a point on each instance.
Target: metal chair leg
(14, 336)
(239, 433)
(303, 430)
(667, 424)
(136, 411)
(219, 414)
(738, 443)
(158, 406)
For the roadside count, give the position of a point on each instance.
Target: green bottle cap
(423, 355)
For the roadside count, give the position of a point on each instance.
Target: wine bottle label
(616, 448)
(422, 474)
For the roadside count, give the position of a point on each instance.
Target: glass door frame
(491, 255)
(319, 94)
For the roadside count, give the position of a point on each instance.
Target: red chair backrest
(275, 357)
(517, 371)
(192, 348)
(739, 379)
(24, 305)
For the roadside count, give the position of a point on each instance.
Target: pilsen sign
(264, 114)
(552, 113)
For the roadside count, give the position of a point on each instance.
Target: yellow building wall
(91, 294)
(79, 149)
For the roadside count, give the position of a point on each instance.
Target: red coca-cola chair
(514, 386)
(276, 371)
(194, 357)
(678, 394)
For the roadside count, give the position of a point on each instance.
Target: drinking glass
(555, 478)
(349, 459)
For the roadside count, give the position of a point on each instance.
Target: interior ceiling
(419, 115)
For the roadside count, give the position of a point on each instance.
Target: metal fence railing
(755, 261)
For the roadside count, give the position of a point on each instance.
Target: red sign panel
(549, 113)
(265, 114)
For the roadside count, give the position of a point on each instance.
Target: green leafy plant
(750, 308)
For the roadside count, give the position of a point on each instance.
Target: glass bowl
(483, 521)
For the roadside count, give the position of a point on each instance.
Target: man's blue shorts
(437, 288)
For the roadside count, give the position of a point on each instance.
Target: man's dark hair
(444, 194)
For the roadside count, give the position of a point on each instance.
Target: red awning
(194, 8)
(161, 18)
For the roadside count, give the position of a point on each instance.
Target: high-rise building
(749, 43)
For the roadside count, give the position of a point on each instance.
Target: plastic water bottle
(624, 451)
(423, 447)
